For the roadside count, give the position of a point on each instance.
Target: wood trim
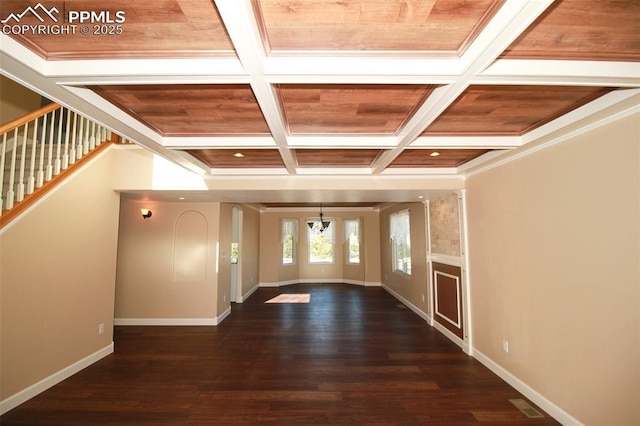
(28, 117)
(595, 95)
(262, 27)
(454, 325)
(39, 193)
(142, 54)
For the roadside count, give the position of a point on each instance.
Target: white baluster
(85, 146)
(12, 171)
(31, 180)
(23, 158)
(65, 155)
(40, 175)
(99, 135)
(72, 151)
(92, 139)
(2, 158)
(48, 174)
(80, 148)
(57, 162)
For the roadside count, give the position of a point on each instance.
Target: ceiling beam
(508, 23)
(240, 22)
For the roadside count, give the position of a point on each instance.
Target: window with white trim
(352, 240)
(289, 240)
(320, 241)
(400, 233)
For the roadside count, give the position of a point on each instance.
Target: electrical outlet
(101, 328)
(505, 346)
(423, 297)
(224, 297)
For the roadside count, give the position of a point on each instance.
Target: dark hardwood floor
(353, 355)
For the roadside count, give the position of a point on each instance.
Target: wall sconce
(146, 213)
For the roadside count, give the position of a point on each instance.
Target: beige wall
(16, 100)
(272, 271)
(554, 249)
(57, 275)
(412, 288)
(180, 236)
(444, 224)
(250, 248)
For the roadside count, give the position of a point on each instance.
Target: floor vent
(526, 408)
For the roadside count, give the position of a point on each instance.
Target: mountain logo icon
(38, 11)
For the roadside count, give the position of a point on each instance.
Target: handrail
(40, 147)
(20, 121)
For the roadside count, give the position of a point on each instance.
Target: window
(320, 242)
(289, 239)
(401, 241)
(352, 240)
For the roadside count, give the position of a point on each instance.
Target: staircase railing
(38, 147)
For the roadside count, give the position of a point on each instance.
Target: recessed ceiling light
(434, 154)
(180, 198)
(420, 197)
(238, 155)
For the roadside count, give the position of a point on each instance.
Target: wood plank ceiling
(377, 86)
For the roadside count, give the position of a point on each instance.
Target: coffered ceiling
(328, 87)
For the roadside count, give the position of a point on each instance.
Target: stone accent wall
(445, 225)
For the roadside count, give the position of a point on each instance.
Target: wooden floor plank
(350, 356)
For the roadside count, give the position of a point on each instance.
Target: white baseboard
(248, 294)
(223, 315)
(553, 410)
(321, 281)
(410, 305)
(363, 283)
(23, 396)
(455, 339)
(279, 283)
(166, 321)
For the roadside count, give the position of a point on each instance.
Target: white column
(466, 293)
